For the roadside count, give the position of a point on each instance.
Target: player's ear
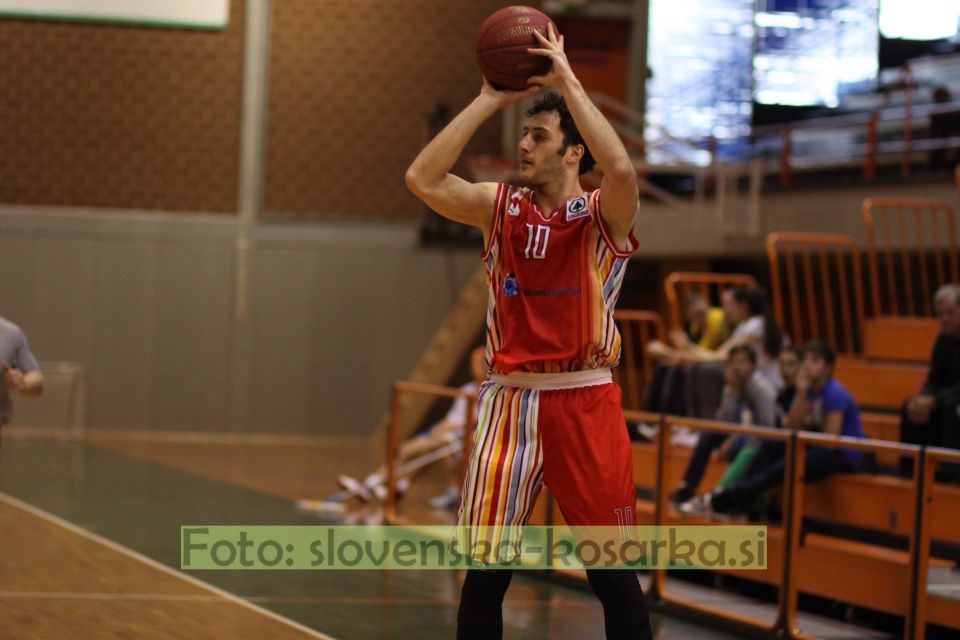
(575, 152)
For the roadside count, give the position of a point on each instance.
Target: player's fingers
(537, 80)
(547, 42)
(549, 53)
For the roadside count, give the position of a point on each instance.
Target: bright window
(920, 19)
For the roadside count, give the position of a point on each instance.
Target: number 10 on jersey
(537, 239)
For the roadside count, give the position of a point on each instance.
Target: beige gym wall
(120, 140)
(146, 303)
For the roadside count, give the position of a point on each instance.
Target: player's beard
(545, 174)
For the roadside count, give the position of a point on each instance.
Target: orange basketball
(502, 47)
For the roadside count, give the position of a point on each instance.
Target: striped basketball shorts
(567, 430)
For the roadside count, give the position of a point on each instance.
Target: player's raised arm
(619, 186)
(429, 176)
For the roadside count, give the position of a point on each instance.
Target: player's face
(539, 149)
(948, 311)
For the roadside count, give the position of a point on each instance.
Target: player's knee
(487, 583)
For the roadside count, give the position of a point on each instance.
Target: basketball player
(555, 259)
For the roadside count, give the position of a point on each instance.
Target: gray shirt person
(757, 395)
(21, 373)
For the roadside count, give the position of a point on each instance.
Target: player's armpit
(617, 231)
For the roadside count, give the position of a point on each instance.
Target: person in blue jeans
(821, 404)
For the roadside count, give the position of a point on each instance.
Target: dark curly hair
(552, 101)
(756, 301)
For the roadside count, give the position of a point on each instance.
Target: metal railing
(679, 284)
(401, 392)
(831, 272)
(923, 601)
(786, 572)
(938, 247)
(635, 372)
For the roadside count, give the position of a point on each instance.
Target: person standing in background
(21, 373)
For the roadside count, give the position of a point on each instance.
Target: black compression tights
(625, 613)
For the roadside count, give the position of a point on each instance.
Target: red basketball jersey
(553, 280)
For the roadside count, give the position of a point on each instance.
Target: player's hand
(552, 47)
(13, 378)
(502, 98)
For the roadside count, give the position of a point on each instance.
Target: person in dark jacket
(932, 417)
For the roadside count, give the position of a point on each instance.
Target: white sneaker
(683, 436)
(380, 490)
(697, 506)
(648, 431)
(355, 487)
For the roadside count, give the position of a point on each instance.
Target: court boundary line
(136, 555)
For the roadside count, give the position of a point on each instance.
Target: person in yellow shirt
(705, 327)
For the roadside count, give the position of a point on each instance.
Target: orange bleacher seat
(880, 384)
(882, 426)
(897, 338)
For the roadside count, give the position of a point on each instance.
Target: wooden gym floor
(90, 548)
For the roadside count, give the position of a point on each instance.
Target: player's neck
(553, 195)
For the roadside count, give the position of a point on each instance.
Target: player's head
(550, 144)
(946, 301)
(818, 362)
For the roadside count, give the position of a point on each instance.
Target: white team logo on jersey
(577, 208)
(514, 208)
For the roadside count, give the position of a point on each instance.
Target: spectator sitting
(747, 311)
(704, 327)
(932, 418)
(442, 441)
(747, 398)
(789, 361)
(821, 404)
